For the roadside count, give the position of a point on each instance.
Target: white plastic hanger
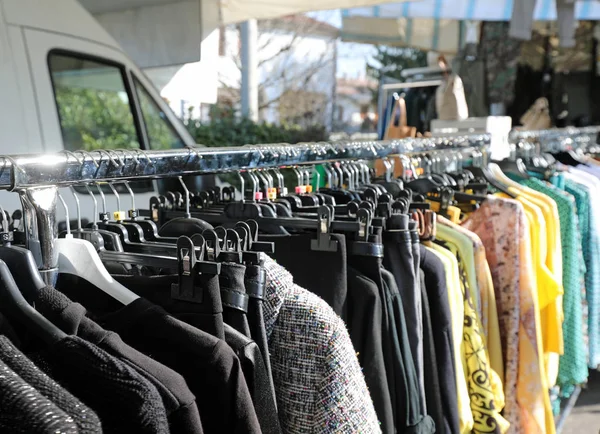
(79, 258)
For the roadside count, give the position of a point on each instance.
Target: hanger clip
(185, 289)
(191, 267)
(324, 243)
(267, 247)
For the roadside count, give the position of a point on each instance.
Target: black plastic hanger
(21, 262)
(14, 306)
(570, 158)
(485, 173)
(514, 167)
(149, 227)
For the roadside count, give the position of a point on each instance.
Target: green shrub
(229, 130)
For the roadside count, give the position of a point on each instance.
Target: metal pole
(249, 37)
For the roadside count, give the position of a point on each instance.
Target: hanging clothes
(486, 412)
(338, 399)
(435, 286)
(371, 305)
(573, 363)
(85, 419)
(527, 404)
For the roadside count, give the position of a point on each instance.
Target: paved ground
(585, 417)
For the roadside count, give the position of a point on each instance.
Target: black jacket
(441, 321)
(177, 398)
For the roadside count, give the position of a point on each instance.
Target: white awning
(168, 32)
(477, 10)
(436, 24)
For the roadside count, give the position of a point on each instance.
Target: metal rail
(70, 168)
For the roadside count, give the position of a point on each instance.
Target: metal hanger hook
(72, 154)
(126, 153)
(114, 190)
(253, 180)
(242, 185)
(66, 213)
(269, 178)
(299, 177)
(99, 187)
(74, 193)
(128, 187)
(187, 197)
(263, 178)
(345, 171)
(94, 224)
(5, 225)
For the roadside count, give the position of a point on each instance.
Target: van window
(93, 104)
(159, 129)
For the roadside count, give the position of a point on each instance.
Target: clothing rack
(69, 168)
(555, 134)
(556, 139)
(37, 178)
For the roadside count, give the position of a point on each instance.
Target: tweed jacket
(319, 384)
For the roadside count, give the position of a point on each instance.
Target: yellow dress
(551, 315)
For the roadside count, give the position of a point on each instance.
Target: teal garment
(553, 178)
(591, 253)
(558, 180)
(582, 201)
(573, 363)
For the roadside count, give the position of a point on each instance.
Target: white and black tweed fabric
(319, 384)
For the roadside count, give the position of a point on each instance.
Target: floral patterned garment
(504, 230)
(573, 363)
(488, 311)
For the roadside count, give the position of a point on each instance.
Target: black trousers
(441, 322)
(234, 297)
(367, 327)
(255, 281)
(400, 259)
(323, 273)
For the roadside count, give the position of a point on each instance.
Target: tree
(391, 61)
(297, 55)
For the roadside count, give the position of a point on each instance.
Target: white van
(67, 85)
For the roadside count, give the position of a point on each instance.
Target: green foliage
(98, 119)
(160, 131)
(93, 119)
(229, 130)
(391, 61)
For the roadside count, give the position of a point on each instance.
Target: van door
(82, 92)
(86, 101)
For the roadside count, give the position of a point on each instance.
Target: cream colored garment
(450, 100)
